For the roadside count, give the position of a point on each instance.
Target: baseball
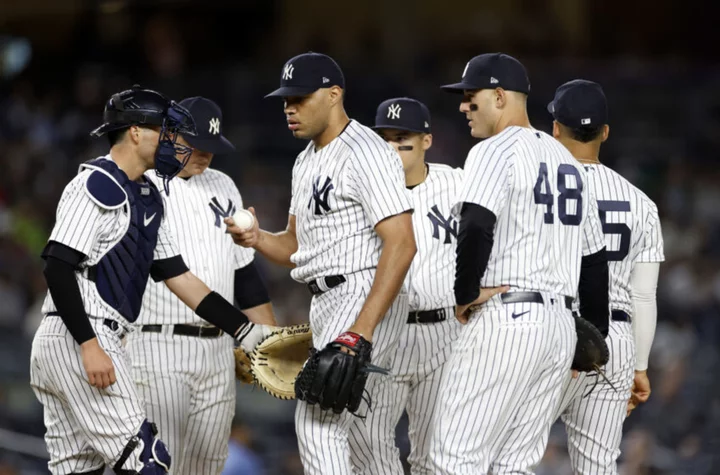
(243, 219)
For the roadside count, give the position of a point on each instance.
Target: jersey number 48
(547, 197)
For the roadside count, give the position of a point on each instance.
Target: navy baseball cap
(306, 73)
(403, 113)
(579, 103)
(208, 120)
(492, 70)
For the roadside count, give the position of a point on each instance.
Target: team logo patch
(221, 212)
(320, 196)
(214, 126)
(438, 221)
(394, 111)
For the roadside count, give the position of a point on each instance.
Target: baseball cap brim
(458, 87)
(211, 145)
(291, 91)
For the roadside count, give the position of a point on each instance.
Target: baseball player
(425, 342)
(110, 235)
(592, 409)
(527, 223)
(185, 370)
(349, 238)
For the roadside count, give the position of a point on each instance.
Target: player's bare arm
(276, 247)
(399, 248)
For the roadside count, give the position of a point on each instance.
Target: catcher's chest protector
(122, 273)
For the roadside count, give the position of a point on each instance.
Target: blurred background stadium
(60, 60)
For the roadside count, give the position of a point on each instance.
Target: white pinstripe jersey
(339, 194)
(546, 215)
(87, 227)
(632, 229)
(431, 277)
(194, 211)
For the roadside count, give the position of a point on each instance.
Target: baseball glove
(277, 360)
(591, 351)
(243, 370)
(335, 376)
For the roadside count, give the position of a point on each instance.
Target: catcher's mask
(138, 106)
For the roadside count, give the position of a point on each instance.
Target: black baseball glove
(591, 351)
(335, 376)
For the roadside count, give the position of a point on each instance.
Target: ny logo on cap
(288, 72)
(394, 111)
(466, 68)
(214, 126)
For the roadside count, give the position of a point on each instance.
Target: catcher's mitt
(335, 376)
(277, 360)
(591, 351)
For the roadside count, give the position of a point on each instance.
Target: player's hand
(98, 365)
(640, 392)
(245, 238)
(463, 312)
(630, 406)
(251, 334)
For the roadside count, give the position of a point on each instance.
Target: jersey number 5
(548, 199)
(620, 229)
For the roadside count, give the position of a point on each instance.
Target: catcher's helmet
(138, 106)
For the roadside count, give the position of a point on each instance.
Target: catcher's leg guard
(145, 454)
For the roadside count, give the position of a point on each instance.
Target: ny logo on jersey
(320, 195)
(288, 72)
(394, 111)
(438, 220)
(214, 126)
(219, 211)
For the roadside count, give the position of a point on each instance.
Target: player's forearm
(188, 288)
(65, 292)
(207, 304)
(475, 242)
(277, 247)
(643, 282)
(593, 290)
(261, 314)
(395, 259)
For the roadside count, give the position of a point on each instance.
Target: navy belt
(620, 316)
(530, 297)
(186, 330)
(323, 284)
(427, 316)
